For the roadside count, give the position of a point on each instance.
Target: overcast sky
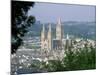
(50, 12)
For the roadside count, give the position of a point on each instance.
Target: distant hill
(78, 29)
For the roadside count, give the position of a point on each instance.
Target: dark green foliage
(83, 59)
(70, 60)
(20, 22)
(53, 65)
(36, 64)
(86, 59)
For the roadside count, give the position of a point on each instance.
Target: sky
(50, 12)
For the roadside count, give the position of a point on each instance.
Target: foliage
(82, 59)
(20, 22)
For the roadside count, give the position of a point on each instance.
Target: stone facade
(52, 48)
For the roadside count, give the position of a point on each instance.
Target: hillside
(78, 29)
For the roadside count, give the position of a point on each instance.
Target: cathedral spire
(59, 21)
(67, 36)
(43, 32)
(49, 27)
(59, 30)
(42, 37)
(49, 37)
(43, 28)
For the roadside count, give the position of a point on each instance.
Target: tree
(82, 59)
(20, 22)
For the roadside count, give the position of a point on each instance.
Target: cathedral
(47, 42)
(54, 48)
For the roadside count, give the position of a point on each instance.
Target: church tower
(59, 30)
(49, 37)
(68, 41)
(43, 38)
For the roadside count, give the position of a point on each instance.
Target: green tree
(20, 21)
(74, 59)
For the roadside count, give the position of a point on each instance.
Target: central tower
(59, 30)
